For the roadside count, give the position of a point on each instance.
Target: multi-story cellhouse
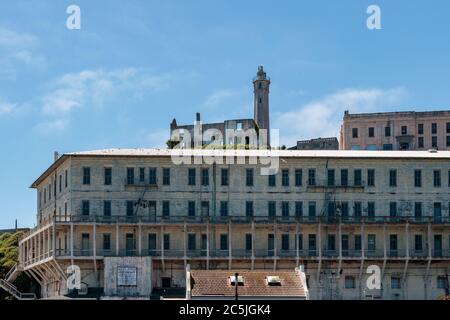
(133, 219)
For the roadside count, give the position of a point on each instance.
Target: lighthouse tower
(261, 101)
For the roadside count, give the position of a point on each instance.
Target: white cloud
(10, 38)
(6, 107)
(16, 50)
(95, 88)
(217, 97)
(322, 118)
(52, 126)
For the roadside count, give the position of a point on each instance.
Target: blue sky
(135, 65)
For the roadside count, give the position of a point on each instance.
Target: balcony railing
(172, 219)
(247, 254)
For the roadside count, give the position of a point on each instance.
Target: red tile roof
(217, 283)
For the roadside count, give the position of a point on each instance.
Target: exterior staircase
(6, 284)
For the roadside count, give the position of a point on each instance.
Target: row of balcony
(257, 253)
(153, 219)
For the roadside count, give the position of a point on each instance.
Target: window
(418, 246)
(417, 209)
(357, 209)
(442, 282)
(191, 208)
(417, 178)
(371, 209)
(434, 128)
(437, 211)
(330, 177)
(331, 242)
(312, 209)
(108, 176)
(248, 242)
(420, 142)
(311, 177)
(191, 177)
(249, 209)
(85, 243)
(205, 208)
(437, 178)
(285, 209)
(130, 208)
(331, 209)
(107, 208)
(166, 209)
(448, 141)
(152, 243)
(166, 176)
(285, 241)
(272, 209)
(141, 174)
(298, 209)
(395, 282)
(224, 208)
(357, 177)
(371, 177)
(371, 242)
(404, 130)
(357, 242)
(344, 209)
(392, 178)
(298, 177)
(371, 132)
(387, 146)
(420, 128)
(393, 209)
(130, 175)
(344, 177)
(66, 173)
(166, 241)
(191, 241)
(448, 127)
(205, 176)
(249, 177)
(224, 177)
(354, 132)
(349, 282)
(387, 131)
(393, 244)
(86, 175)
(344, 243)
(106, 241)
(300, 242)
(65, 208)
(152, 176)
(223, 242)
(272, 180)
(312, 243)
(285, 177)
(60, 183)
(152, 209)
(85, 207)
(434, 142)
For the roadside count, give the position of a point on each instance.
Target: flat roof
(143, 152)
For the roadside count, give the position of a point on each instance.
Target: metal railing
(177, 219)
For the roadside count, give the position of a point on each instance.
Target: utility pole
(236, 283)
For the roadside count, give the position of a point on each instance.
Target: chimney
(55, 155)
(197, 116)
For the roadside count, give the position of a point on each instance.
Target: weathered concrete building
(252, 132)
(123, 214)
(317, 144)
(407, 130)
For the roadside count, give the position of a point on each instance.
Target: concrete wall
(143, 266)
